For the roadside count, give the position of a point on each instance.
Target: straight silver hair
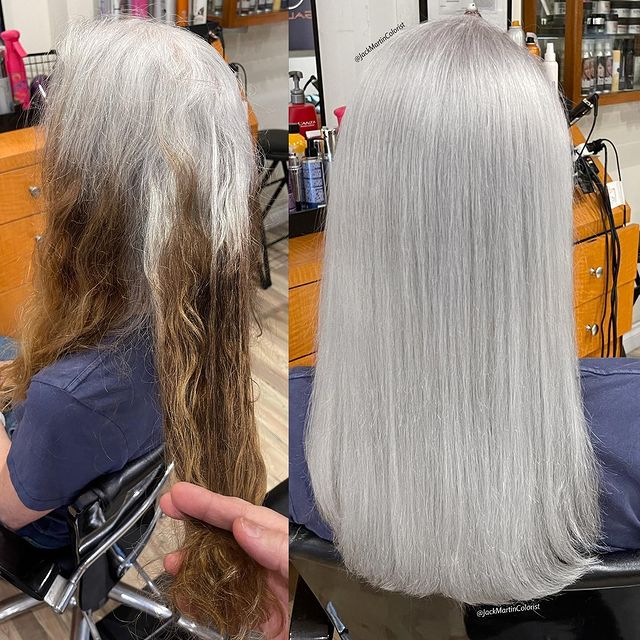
(447, 444)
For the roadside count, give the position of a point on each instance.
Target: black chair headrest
(616, 569)
(111, 489)
(278, 498)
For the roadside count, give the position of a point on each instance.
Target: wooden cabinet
(21, 220)
(592, 287)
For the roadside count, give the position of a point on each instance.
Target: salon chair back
(109, 525)
(603, 605)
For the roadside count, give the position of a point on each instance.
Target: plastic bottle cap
(549, 53)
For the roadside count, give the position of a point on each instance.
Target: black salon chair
(603, 605)
(109, 525)
(273, 147)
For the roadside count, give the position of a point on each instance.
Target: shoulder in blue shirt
(611, 397)
(86, 415)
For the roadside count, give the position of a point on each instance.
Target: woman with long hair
(140, 321)
(449, 447)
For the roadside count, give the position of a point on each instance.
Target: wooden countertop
(20, 148)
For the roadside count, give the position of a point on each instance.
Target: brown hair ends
(149, 228)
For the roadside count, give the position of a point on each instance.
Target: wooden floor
(270, 355)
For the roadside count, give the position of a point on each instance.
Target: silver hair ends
(447, 444)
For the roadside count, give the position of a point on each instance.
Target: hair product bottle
(615, 71)
(199, 11)
(313, 179)
(628, 64)
(105, 7)
(170, 14)
(550, 64)
(160, 9)
(516, 33)
(6, 97)
(532, 44)
(301, 112)
(587, 69)
(608, 66)
(15, 67)
(139, 8)
(182, 13)
(600, 66)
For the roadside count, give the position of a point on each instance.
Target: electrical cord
(593, 126)
(612, 259)
(612, 327)
(235, 66)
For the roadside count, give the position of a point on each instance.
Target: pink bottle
(15, 67)
(339, 112)
(139, 8)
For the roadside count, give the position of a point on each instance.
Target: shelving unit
(232, 19)
(570, 24)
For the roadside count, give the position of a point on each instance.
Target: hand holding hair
(261, 532)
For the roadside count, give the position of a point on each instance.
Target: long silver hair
(447, 444)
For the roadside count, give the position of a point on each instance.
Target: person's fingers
(173, 561)
(190, 501)
(267, 546)
(166, 504)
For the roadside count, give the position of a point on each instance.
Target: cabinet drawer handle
(592, 329)
(34, 191)
(597, 272)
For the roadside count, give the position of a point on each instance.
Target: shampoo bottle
(301, 112)
(550, 64)
(15, 67)
(516, 33)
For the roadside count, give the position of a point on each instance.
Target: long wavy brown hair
(148, 172)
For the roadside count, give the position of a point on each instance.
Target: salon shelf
(616, 97)
(571, 29)
(232, 20)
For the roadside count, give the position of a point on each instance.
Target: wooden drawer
(303, 310)
(19, 193)
(305, 259)
(10, 306)
(590, 313)
(17, 240)
(589, 260)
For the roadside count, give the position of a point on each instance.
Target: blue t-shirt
(611, 397)
(84, 416)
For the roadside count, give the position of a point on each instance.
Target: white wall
(41, 22)
(347, 28)
(263, 52)
(31, 20)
